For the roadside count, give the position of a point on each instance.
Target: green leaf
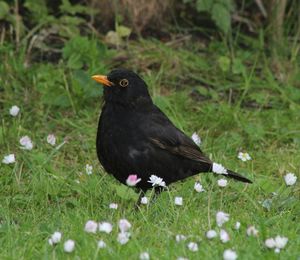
(228, 4)
(68, 26)
(4, 9)
(238, 67)
(74, 61)
(123, 31)
(214, 94)
(67, 7)
(79, 80)
(76, 51)
(38, 9)
(125, 192)
(82, 52)
(224, 63)
(113, 38)
(83, 85)
(221, 17)
(55, 99)
(203, 91)
(204, 5)
(261, 97)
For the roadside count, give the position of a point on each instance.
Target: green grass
(249, 110)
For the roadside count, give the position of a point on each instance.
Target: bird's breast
(117, 138)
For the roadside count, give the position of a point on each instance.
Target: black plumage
(136, 137)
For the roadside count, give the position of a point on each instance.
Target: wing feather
(187, 151)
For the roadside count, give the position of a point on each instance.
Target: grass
(246, 110)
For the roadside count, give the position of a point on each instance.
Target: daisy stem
(53, 152)
(151, 194)
(96, 254)
(221, 201)
(170, 198)
(208, 209)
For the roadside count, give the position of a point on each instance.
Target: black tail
(237, 176)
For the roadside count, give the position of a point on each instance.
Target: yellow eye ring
(123, 83)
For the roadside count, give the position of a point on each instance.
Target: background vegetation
(228, 70)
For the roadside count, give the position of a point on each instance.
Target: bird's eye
(123, 83)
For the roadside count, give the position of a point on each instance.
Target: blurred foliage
(4, 10)
(57, 45)
(66, 82)
(219, 10)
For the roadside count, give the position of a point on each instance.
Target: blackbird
(136, 137)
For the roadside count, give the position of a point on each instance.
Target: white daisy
(280, 242)
(222, 183)
(244, 156)
(88, 169)
(69, 246)
(210, 234)
(193, 246)
(105, 227)
(198, 187)
(219, 169)
(196, 138)
(26, 143)
(229, 255)
(123, 237)
(101, 244)
(144, 200)
(55, 238)
(144, 256)
(8, 159)
(221, 218)
(224, 236)
(113, 206)
(252, 231)
(277, 243)
(124, 225)
(180, 238)
(178, 201)
(14, 110)
(91, 226)
(157, 181)
(270, 243)
(237, 225)
(51, 139)
(290, 179)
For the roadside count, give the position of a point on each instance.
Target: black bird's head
(124, 87)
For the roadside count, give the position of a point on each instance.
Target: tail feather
(237, 176)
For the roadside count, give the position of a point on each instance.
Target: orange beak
(103, 80)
